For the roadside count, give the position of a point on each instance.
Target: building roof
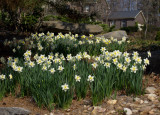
(123, 14)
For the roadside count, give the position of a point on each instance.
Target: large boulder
(58, 26)
(115, 34)
(13, 111)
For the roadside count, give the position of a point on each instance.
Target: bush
(105, 27)
(112, 28)
(158, 36)
(130, 29)
(28, 22)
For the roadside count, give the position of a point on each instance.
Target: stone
(138, 100)
(135, 111)
(152, 112)
(146, 102)
(87, 102)
(115, 34)
(146, 108)
(85, 111)
(68, 110)
(112, 102)
(90, 108)
(127, 111)
(152, 97)
(118, 107)
(143, 113)
(98, 109)
(14, 111)
(64, 27)
(85, 106)
(110, 112)
(150, 90)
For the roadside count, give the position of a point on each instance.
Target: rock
(87, 102)
(154, 111)
(151, 112)
(51, 114)
(146, 102)
(68, 110)
(143, 113)
(85, 106)
(14, 111)
(115, 34)
(138, 100)
(110, 112)
(146, 109)
(112, 102)
(150, 90)
(90, 108)
(135, 111)
(98, 109)
(85, 111)
(127, 111)
(64, 27)
(152, 97)
(118, 108)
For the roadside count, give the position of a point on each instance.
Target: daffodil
(65, 87)
(10, 76)
(2, 77)
(60, 68)
(77, 78)
(149, 54)
(90, 78)
(146, 61)
(124, 68)
(31, 64)
(103, 49)
(44, 68)
(74, 66)
(52, 70)
(107, 64)
(127, 60)
(119, 65)
(134, 69)
(95, 65)
(115, 61)
(19, 69)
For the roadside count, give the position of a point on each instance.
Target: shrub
(112, 28)
(158, 36)
(105, 27)
(130, 29)
(28, 22)
(48, 18)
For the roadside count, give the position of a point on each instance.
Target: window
(86, 8)
(112, 23)
(123, 23)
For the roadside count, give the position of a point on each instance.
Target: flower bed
(65, 44)
(54, 79)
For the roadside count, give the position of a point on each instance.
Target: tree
(16, 8)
